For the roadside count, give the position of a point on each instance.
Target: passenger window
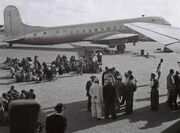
(44, 33)
(96, 29)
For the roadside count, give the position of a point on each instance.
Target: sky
(65, 12)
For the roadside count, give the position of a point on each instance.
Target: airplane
(112, 33)
(168, 36)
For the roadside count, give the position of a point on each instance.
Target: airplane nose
(167, 23)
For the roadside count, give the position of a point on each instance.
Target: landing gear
(10, 45)
(121, 47)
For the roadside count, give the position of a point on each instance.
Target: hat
(92, 76)
(96, 79)
(59, 107)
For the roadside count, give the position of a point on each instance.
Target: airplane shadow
(79, 119)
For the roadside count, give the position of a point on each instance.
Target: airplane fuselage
(76, 33)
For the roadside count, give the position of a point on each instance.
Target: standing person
(96, 99)
(129, 95)
(99, 57)
(88, 85)
(154, 84)
(109, 95)
(177, 82)
(56, 123)
(158, 71)
(120, 89)
(172, 94)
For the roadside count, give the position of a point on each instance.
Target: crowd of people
(117, 89)
(107, 98)
(32, 70)
(13, 94)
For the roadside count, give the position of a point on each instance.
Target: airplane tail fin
(12, 21)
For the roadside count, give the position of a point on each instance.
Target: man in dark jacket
(56, 123)
(109, 96)
(88, 85)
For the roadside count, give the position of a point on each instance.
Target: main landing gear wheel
(121, 48)
(10, 45)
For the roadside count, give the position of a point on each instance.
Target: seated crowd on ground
(32, 70)
(9, 96)
(13, 94)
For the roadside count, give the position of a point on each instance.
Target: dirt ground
(70, 90)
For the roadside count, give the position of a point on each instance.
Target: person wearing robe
(154, 84)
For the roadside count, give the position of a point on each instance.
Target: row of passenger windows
(85, 31)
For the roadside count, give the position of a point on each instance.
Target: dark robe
(155, 95)
(129, 97)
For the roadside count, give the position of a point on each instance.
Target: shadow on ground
(79, 119)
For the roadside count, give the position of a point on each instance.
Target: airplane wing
(107, 37)
(166, 35)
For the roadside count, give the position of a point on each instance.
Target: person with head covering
(88, 85)
(109, 95)
(56, 122)
(96, 99)
(154, 84)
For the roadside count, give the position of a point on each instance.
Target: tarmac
(70, 89)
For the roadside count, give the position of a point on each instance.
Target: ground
(70, 90)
